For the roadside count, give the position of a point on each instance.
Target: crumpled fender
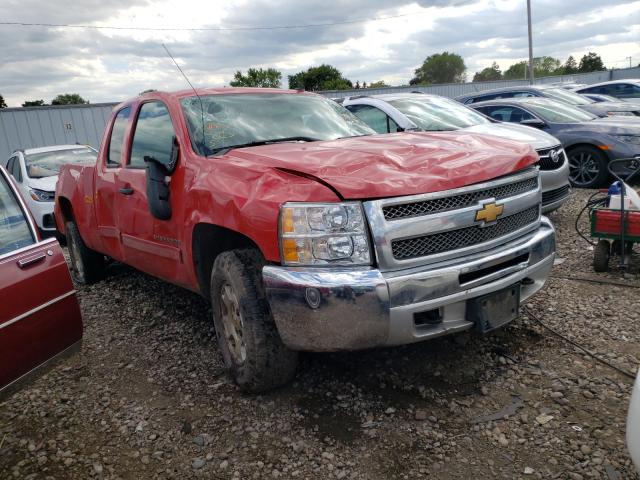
(245, 196)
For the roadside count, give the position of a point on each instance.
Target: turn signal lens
(287, 221)
(289, 250)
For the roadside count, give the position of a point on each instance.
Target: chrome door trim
(37, 309)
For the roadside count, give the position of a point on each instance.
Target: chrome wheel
(232, 323)
(584, 168)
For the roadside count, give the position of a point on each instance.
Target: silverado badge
(489, 213)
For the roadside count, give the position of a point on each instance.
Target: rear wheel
(587, 167)
(87, 266)
(247, 335)
(601, 256)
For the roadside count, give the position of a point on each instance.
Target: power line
(203, 29)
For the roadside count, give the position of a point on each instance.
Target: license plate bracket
(495, 309)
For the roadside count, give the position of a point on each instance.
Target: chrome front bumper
(327, 309)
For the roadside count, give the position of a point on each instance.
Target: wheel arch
(66, 213)
(584, 143)
(209, 241)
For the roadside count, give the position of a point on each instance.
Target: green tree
(33, 103)
(324, 77)
(489, 73)
(378, 84)
(257, 77)
(442, 67)
(546, 66)
(2, 102)
(570, 66)
(542, 67)
(69, 99)
(591, 62)
(516, 71)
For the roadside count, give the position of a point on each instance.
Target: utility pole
(530, 43)
(629, 61)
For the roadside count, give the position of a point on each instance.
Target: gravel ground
(148, 396)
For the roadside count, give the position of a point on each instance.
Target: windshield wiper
(223, 150)
(355, 136)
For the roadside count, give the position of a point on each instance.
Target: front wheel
(587, 167)
(247, 335)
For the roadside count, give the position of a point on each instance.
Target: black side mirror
(533, 122)
(157, 189)
(158, 184)
(173, 158)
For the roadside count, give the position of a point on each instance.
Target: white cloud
(111, 65)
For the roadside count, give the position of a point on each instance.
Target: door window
(393, 126)
(601, 89)
(153, 135)
(626, 90)
(15, 171)
(483, 98)
(506, 113)
(117, 138)
(375, 118)
(14, 228)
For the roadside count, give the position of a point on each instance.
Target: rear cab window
(15, 232)
(114, 155)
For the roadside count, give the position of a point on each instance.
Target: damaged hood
(399, 164)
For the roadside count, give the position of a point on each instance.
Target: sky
(368, 41)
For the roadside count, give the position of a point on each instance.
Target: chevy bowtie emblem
(489, 213)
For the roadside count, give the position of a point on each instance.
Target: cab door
(39, 313)
(150, 244)
(108, 168)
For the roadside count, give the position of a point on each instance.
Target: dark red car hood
(397, 164)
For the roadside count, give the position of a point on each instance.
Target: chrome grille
(465, 237)
(428, 207)
(545, 162)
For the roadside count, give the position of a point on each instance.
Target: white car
(390, 113)
(633, 425)
(628, 89)
(35, 173)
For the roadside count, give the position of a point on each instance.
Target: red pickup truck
(305, 229)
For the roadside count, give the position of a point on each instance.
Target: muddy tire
(87, 266)
(601, 256)
(249, 342)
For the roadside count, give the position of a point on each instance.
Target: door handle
(25, 262)
(126, 190)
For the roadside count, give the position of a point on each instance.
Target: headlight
(621, 114)
(41, 195)
(324, 234)
(633, 139)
